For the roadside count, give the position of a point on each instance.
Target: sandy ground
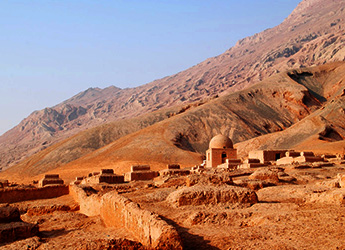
(286, 217)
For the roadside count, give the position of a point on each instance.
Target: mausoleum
(220, 149)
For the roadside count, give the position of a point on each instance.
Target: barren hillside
(312, 35)
(300, 103)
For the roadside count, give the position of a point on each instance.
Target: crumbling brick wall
(147, 227)
(15, 194)
(89, 204)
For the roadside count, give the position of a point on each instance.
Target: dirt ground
(303, 213)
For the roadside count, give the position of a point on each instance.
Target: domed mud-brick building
(220, 149)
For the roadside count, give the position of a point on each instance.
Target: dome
(221, 141)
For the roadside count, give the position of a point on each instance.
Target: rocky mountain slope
(312, 35)
(292, 107)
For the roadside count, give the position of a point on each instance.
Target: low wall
(147, 227)
(89, 205)
(10, 195)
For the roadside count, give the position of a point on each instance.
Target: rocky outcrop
(266, 174)
(9, 214)
(12, 227)
(211, 195)
(209, 179)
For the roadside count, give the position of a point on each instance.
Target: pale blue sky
(51, 50)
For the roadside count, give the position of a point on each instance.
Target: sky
(51, 50)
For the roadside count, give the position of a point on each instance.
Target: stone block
(46, 182)
(140, 175)
(173, 166)
(110, 179)
(135, 168)
(50, 179)
(107, 171)
(51, 176)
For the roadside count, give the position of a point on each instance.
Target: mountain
(287, 110)
(312, 35)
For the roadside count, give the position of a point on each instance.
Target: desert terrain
(127, 168)
(293, 207)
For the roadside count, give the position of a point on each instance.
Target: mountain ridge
(254, 118)
(309, 36)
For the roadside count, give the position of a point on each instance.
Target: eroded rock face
(9, 214)
(17, 230)
(266, 174)
(209, 179)
(254, 184)
(203, 195)
(12, 227)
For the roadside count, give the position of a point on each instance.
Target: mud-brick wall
(147, 227)
(10, 195)
(89, 205)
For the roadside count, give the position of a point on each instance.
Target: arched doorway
(224, 157)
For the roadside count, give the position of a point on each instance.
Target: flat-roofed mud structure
(140, 173)
(50, 179)
(105, 176)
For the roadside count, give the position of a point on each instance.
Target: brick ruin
(148, 227)
(267, 156)
(140, 173)
(174, 169)
(105, 176)
(50, 179)
(17, 194)
(119, 212)
(292, 157)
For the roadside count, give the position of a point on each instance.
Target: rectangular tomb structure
(266, 156)
(140, 173)
(105, 176)
(50, 179)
